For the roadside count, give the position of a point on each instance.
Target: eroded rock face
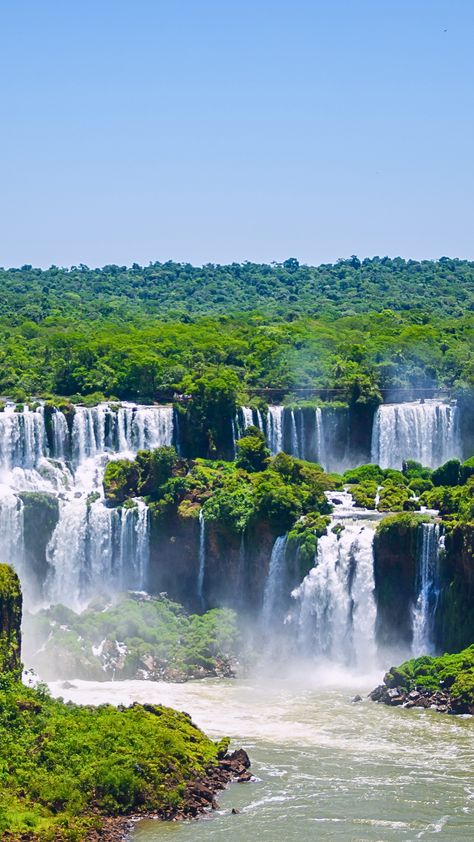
(455, 613)
(395, 552)
(10, 620)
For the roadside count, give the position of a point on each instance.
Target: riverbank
(323, 767)
(199, 797)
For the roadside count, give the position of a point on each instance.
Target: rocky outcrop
(395, 568)
(199, 798)
(439, 700)
(10, 621)
(236, 565)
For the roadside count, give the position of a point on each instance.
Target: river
(325, 769)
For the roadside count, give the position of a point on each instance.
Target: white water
(274, 593)
(335, 612)
(275, 429)
(295, 446)
(427, 432)
(423, 614)
(93, 549)
(202, 557)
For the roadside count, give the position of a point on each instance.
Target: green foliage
(213, 331)
(10, 621)
(447, 474)
(120, 480)
(364, 473)
(155, 635)
(63, 766)
(252, 452)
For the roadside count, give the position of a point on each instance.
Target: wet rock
(235, 811)
(356, 699)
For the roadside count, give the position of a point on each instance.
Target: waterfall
(11, 529)
(202, 557)
(274, 593)
(60, 435)
(295, 450)
(319, 437)
(275, 429)
(336, 607)
(247, 416)
(96, 550)
(427, 432)
(427, 589)
(22, 437)
(93, 549)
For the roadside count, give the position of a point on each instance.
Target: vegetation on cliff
(139, 637)
(256, 487)
(10, 621)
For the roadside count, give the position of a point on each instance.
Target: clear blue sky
(221, 130)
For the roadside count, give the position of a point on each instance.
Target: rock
(66, 685)
(245, 778)
(235, 811)
(394, 696)
(356, 699)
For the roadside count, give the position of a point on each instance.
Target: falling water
(274, 593)
(427, 432)
(319, 437)
(295, 449)
(275, 429)
(97, 550)
(93, 548)
(427, 589)
(202, 557)
(247, 416)
(336, 599)
(22, 437)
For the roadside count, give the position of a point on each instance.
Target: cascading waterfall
(11, 529)
(427, 589)
(202, 557)
(295, 448)
(22, 437)
(274, 594)
(319, 437)
(247, 416)
(427, 432)
(275, 429)
(93, 549)
(336, 607)
(96, 550)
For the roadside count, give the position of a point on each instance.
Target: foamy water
(326, 769)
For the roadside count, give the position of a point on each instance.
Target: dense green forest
(133, 333)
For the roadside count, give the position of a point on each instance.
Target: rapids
(325, 769)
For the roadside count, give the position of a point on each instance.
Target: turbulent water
(325, 769)
(93, 549)
(427, 432)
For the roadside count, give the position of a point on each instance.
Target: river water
(325, 769)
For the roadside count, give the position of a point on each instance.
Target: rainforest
(246, 492)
